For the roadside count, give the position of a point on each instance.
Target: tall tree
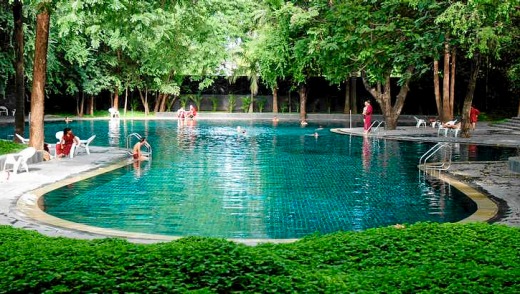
(39, 75)
(481, 28)
(18, 40)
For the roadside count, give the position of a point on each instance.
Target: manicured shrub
(420, 258)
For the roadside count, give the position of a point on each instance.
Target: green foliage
(232, 101)
(284, 107)
(10, 147)
(261, 104)
(184, 100)
(425, 257)
(246, 102)
(197, 99)
(214, 103)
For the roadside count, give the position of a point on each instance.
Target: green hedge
(421, 258)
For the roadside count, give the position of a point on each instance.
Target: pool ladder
(442, 153)
(129, 145)
(374, 127)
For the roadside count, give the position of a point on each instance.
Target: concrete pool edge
(28, 206)
(487, 209)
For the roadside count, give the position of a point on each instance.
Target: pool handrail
(129, 145)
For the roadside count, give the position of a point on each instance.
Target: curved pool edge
(487, 209)
(28, 205)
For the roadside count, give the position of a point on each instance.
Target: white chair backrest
(22, 139)
(59, 135)
(90, 139)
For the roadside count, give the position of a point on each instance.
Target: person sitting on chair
(451, 125)
(137, 154)
(63, 148)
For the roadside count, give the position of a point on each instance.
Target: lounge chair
(447, 127)
(4, 110)
(22, 139)
(19, 160)
(420, 122)
(84, 144)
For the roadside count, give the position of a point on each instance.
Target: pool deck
(19, 194)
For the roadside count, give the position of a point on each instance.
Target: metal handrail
(445, 162)
(377, 124)
(148, 147)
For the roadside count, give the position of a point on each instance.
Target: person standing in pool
(367, 117)
(137, 154)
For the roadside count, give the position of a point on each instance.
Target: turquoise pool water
(207, 179)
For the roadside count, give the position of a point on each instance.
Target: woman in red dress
(367, 116)
(63, 148)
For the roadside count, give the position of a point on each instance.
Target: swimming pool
(273, 182)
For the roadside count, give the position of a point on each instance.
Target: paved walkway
(492, 178)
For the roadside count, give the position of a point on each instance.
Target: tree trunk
(91, 105)
(303, 101)
(251, 105)
(19, 120)
(347, 107)
(436, 86)
(82, 105)
(275, 99)
(163, 102)
(468, 100)
(382, 94)
(353, 94)
(39, 77)
(158, 102)
(126, 101)
(446, 113)
(144, 100)
(116, 98)
(452, 81)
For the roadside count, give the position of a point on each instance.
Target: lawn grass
(419, 258)
(7, 147)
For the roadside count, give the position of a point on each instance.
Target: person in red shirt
(473, 116)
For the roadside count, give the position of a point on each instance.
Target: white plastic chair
(83, 144)
(419, 122)
(113, 112)
(22, 139)
(19, 160)
(4, 110)
(59, 136)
